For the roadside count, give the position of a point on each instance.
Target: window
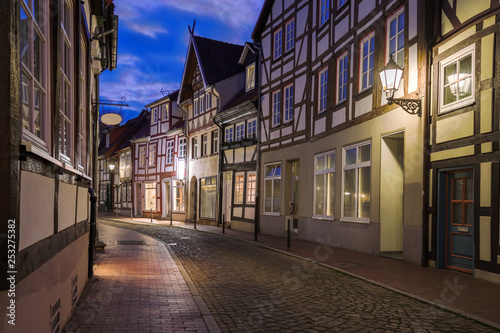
(129, 192)
(276, 108)
(356, 177)
(194, 154)
(154, 115)
(290, 35)
(209, 101)
(240, 131)
(229, 134)
(277, 43)
(396, 37)
(342, 78)
(208, 197)
(250, 77)
(128, 165)
(66, 111)
(324, 184)
(272, 189)
(324, 11)
(165, 111)
(124, 193)
(150, 196)
(122, 165)
(170, 152)
(366, 61)
(251, 187)
(107, 140)
(152, 154)
(215, 142)
(288, 103)
(204, 145)
(195, 104)
(33, 49)
(239, 184)
(341, 3)
(202, 102)
(142, 156)
(252, 128)
(82, 110)
(182, 147)
(322, 89)
(457, 80)
(178, 195)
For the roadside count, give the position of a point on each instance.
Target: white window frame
(357, 166)
(290, 34)
(196, 110)
(215, 141)
(128, 164)
(152, 154)
(178, 201)
(240, 131)
(326, 171)
(154, 116)
(341, 74)
(182, 147)
(204, 145)
(289, 103)
(455, 58)
(165, 110)
(278, 43)
(369, 57)
(251, 187)
(229, 134)
(250, 79)
(194, 142)
(252, 128)
(82, 132)
(202, 102)
(170, 152)
(272, 178)
(209, 100)
(142, 156)
(323, 90)
(324, 11)
(276, 103)
(399, 55)
(239, 187)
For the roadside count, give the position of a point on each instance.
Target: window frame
(210, 181)
(250, 77)
(194, 147)
(239, 188)
(182, 147)
(276, 108)
(152, 155)
(154, 115)
(325, 171)
(240, 131)
(323, 87)
(204, 145)
(288, 103)
(229, 134)
(323, 15)
(272, 179)
(341, 88)
(215, 142)
(165, 111)
(290, 35)
(455, 58)
(169, 158)
(142, 156)
(341, 3)
(278, 43)
(366, 39)
(251, 187)
(253, 134)
(356, 166)
(395, 15)
(196, 106)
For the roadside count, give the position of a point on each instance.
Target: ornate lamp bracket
(412, 106)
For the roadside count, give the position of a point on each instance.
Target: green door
(460, 220)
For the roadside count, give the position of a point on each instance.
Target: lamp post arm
(412, 106)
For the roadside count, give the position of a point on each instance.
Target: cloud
(127, 59)
(148, 30)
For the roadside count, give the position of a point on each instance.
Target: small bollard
(151, 215)
(288, 234)
(171, 217)
(223, 224)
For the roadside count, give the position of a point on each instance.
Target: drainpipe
(219, 175)
(188, 152)
(257, 168)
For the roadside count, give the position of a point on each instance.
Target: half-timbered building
(52, 54)
(238, 153)
(158, 187)
(338, 161)
(464, 161)
(212, 77)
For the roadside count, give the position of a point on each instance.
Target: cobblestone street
(249, 288)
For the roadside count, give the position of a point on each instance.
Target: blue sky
(152, 43)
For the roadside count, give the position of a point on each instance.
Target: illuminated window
(323, 90)
(154, 115)
(164, 114)
(142, 156)
(208, 197)
(182, 147)
(251, 187)
(170, 152)
(324, 184)
(250, 77)
(152, 154)
(239, 184)
(366, 61)
(356, 182)
(396, 37)
(342, 74)
(272, 189)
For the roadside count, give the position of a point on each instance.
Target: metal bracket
(412, 106)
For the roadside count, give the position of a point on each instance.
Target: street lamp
(391, 78)
(112, 180)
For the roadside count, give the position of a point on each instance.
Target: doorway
(138, 200)
(166, 202)
(391, 195)
(227, 193)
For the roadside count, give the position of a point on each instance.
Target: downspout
(257, 167)
(219, 175)
(188, 152)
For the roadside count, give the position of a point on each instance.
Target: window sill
(323, 218)
(270, 214)
(355, 220)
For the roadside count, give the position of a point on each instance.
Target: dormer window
(250, 77)
(154, 115)
(165, 111)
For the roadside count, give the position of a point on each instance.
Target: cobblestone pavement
(249, 288)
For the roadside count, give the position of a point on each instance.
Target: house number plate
(462, 229)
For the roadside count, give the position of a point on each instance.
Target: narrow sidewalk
(138, 287)
(457, 292)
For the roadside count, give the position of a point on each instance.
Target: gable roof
(261, 21)
(172, 97)
(217, 61)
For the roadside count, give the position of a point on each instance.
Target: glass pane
(393, 27)
(268, 195)
(320, 163)
(37, 66)
(458, 189)
(469, 189)
(450, 73)
(469, 214)
(37, 113)
(25, 51)
(277, 171)
(372, 44)
(277, 196)
(330, 194)
(364, 153)
(449, 94)
(465, 65)
(401, 41)
(401, 22)
(364, 193)
(25, 100)
(392, 46)
(350, 156)
(330, 161)
(464, 88)
(365, 48)
(457, 213)
(320, 195)
(349, 192)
